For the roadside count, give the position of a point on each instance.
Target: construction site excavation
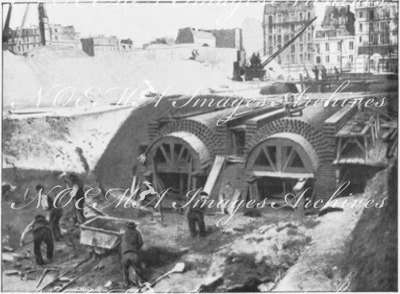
(257, 153)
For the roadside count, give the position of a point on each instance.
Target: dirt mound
(372, 255)
(47, 52)
(67, 74)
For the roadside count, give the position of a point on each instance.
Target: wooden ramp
(213, 176)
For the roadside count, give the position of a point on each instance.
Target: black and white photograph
(199, 146)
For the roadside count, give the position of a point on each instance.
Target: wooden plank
(235, 198)
(282, 175)
(215, 170)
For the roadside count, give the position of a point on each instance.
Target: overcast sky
(140, 22)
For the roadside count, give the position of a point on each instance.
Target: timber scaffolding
(265, 152)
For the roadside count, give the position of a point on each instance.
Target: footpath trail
(318, 267)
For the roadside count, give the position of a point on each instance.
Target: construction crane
(256, 69)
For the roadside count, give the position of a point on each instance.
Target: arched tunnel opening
(283, 163)
(175, 162)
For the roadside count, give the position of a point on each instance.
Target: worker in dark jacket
(40, 229)
(78, 196)
(55, 210)
(195, 215)
(131, 243)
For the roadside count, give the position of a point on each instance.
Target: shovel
(178, 268)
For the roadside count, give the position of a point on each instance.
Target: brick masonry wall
(331, 127)
(213, 140)
(325, 175)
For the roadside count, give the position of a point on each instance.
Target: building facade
(126, 45)
(196, 36)
(229, 38)
(334, 40)
(102, 44)
(280, 24)
(64, 36)
(21, 41)
(376, 36)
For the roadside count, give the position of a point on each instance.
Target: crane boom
(280, 50)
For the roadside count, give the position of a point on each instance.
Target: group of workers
(132, 239)
(317, 69)
(48, 231)
(255, 61)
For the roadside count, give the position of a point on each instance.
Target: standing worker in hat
(78, 196)
(40, 229)
(55, 210)
(131, 243)
(195, 215)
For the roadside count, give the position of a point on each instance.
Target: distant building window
(308, 15)
(293, 48)
(351, 58)
(270, 21)
(360, 14)
(327, 47)
(360, 39)
(351, 45)
(301, 16)
(361, 27)
(371, 14)
(301, 58)
(318, 60)
(301, 47)
(309, 36)
(339, 46)
(308, 57)
(327, 59)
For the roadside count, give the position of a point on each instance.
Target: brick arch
(202, 131)
(325, 176)
(316, 138)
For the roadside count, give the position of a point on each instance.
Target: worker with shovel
(131, 243)
(40, 229)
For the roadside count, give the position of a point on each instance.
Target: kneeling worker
(195, 215)
(41, 232)
(131, 243)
